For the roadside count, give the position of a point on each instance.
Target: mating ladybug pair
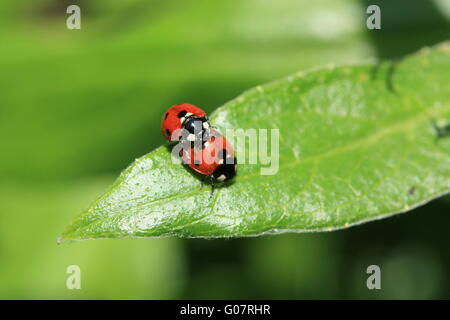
(204, 149)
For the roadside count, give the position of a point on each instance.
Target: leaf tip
(60, 239)
(65, 238)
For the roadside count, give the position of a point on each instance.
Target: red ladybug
(215, 160)
(185, 116)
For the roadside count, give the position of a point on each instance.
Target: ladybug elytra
(203, 148)
(216, 159)
(184, 117)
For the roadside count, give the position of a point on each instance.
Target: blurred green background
(77, 106)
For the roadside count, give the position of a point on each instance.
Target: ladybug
(188, 117)
(216, 159)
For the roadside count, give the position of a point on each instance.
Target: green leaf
(357, 143)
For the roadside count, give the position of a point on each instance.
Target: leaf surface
(357, 143)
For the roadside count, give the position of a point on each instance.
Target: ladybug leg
(202, 182)
(212, 188)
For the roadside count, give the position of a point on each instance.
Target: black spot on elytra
(165, 117)
(168, 132)
(182, 114)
